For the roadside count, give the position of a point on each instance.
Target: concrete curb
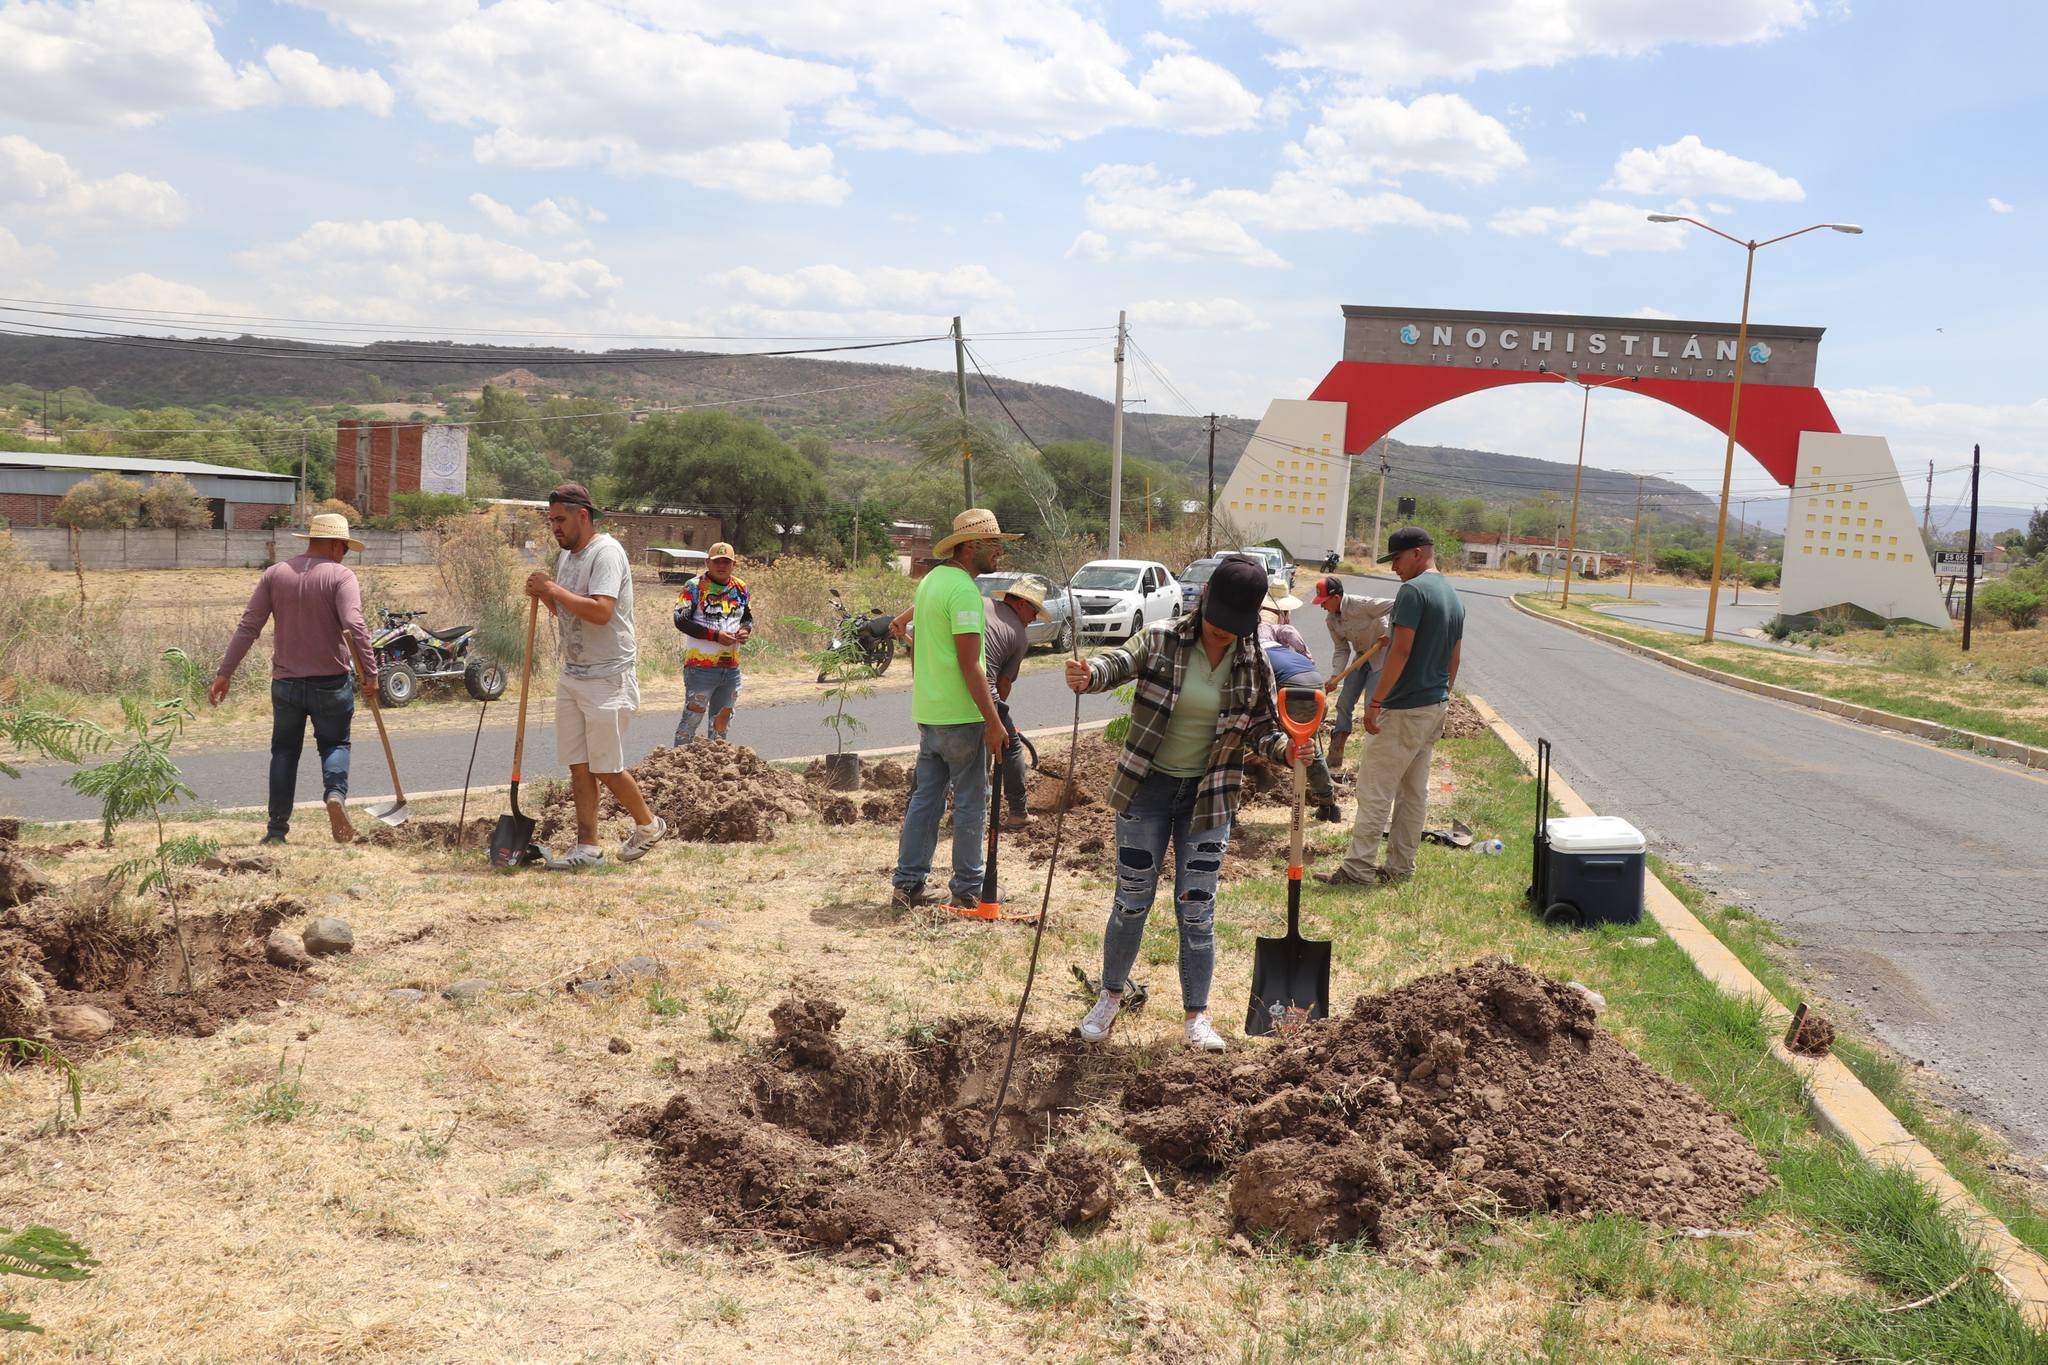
(895, 751)
(2026, 754)
(1841, 1105)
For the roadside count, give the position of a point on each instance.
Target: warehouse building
(32, 483)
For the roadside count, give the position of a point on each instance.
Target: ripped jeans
(1164, 807)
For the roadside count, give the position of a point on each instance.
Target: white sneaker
(640, 840)
(579, 855)
(1100, 1020)
(1203, 1034)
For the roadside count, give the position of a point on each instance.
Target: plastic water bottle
(1491, 847)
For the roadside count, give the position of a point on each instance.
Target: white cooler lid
(1595, 834)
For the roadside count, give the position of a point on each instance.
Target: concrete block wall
(206, 549)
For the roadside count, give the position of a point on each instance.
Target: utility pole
(960, 382)
(1116, 450)
(1970, 549)
(1635, 539)
(305, 499)
(1209, 531)
(1379, 503)
(1927, 506)
(1148, 504)
(1550, 560)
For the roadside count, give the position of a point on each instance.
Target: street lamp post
(1578, 471)
(1735, 393)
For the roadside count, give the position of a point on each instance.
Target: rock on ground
(329, 934)
(284, 949)
(79, 1023)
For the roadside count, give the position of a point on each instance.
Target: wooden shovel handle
(376, 714)
(525, 675)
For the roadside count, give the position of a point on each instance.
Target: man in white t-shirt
(591, 594)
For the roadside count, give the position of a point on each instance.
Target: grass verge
(1920, 674)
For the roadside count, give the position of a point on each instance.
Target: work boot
(910, 898)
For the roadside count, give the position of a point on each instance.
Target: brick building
(32, 483)
(373, 460)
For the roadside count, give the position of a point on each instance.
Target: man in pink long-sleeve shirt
(314, 600)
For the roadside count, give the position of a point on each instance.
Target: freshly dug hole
(825, 1145)
(714, 792)
(1480, 1092)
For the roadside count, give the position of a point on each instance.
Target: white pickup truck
(1117, 598)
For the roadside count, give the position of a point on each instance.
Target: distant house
(32, 483)
(1490, 549)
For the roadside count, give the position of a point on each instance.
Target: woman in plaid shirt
(1204, 698)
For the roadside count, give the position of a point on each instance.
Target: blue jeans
(949, 758)
(1349, 691)
(708, 690)
(1164, 807)
(330, 703)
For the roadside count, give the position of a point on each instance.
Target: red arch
(1379, 397)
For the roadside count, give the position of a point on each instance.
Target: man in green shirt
(959, 730)
(1405, 715)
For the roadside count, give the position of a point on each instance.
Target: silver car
(1054, 626)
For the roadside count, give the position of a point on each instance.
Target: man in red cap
(1358, 626)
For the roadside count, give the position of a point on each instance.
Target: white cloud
(1597, 227)
(127, 63)
(1211, 315)
(1173, 218)
(837, 288)
(17, 261)
(560, 218)
(1089, 245)
(1576, 117)
(1690, 167)
(142, 290)
(1191, 95)
(1997, 205)
(1654, 314)
(861, 126)
(404, 268)
(40, 185)
(1363, 138)
(1416, 45)
(1921, 428)
(1166, 42)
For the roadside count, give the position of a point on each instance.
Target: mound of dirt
(1483, 1091)
(53, 956)
(1813, 1038)
(709, 792)
(1461, 721)
(820, 1144)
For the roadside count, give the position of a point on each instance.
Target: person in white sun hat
(598, 693)
(313, 600)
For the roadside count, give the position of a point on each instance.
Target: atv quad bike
(409, 654)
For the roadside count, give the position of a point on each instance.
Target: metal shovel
(392, 812)
(1291, 975)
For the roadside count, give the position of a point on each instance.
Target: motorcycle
(409, 654)
(1330, 562)
(864, 636)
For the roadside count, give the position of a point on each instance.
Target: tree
(170, 503)
(104, 502)
(729, 465)
(515, 469)
(2037, 533)
(816, 450)
(2009, 603)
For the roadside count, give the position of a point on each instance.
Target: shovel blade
(393, 812)
(1290, 985)
(512, 841)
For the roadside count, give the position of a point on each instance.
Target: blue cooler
(1589, 868)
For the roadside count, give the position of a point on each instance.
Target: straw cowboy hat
(329, 526)
(1027, 590)
(976, 523)
(1278, 598)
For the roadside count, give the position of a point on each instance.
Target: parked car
(1278, 565)
(1194, 578)
(1120, 597)
(1055, 625)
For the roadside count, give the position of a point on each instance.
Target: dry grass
(453, 1191)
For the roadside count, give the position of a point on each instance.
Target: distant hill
(848, 402)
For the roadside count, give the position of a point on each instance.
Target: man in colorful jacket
(716, 617)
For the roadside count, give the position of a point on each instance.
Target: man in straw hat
(312, 598)
(1006, 639)
(591, 594)
(959, 729)
(716, 615)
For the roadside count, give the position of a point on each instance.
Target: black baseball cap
(1407, 538)
(1234, 594)
(574, 495)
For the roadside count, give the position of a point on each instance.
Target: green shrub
(1760, 575)
(2011, 604)
(420, 511)
(104, 502)
(170, 503)
(1685, 563)
(1918, 657)
(1777, 628)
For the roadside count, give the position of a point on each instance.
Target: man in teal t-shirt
(1405, 715)
(959, 730)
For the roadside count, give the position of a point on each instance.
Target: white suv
(1117, 598)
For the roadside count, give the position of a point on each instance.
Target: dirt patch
(1481, 1092)
(473, 834)
(820, 1144)
(1461, 721)
(131, 967)
(1815, 1037)
(19, 883)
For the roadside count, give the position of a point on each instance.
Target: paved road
(435, 761)
(1912, 875)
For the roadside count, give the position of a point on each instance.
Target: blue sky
(1231, 171)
